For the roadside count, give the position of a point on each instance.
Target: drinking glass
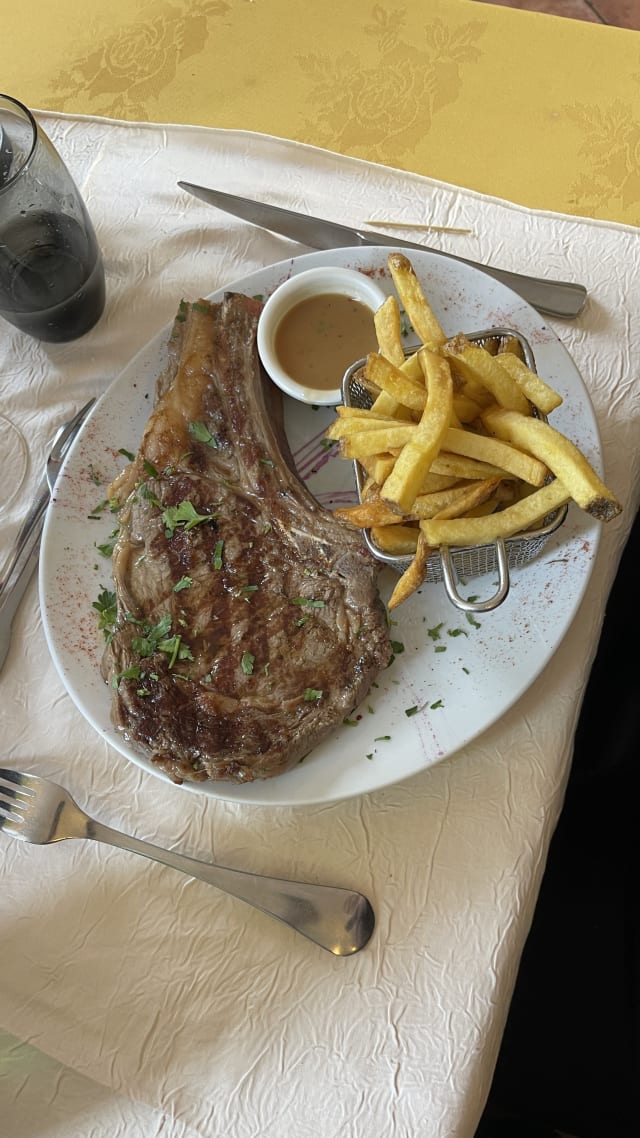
(51, 273)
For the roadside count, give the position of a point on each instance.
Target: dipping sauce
(318, 339)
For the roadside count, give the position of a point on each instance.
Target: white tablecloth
(149, 1002)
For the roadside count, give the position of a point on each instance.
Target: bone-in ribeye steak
(249, 622)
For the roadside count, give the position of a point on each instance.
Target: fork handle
(21, 567)
(340, 920)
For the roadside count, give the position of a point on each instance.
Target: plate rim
(248, 794)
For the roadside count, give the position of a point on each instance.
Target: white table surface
(134, 1003)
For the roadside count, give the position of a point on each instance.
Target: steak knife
(553, 298)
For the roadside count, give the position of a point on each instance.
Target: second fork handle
(340, 920)
(21, 566)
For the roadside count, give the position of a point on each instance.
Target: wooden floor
(617, 13)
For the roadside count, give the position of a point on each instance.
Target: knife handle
(552, 298)
(563, 299)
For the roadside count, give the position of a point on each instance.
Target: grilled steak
(249, 622)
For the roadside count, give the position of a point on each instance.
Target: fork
(36, 810)
(27, 544)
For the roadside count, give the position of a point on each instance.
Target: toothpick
(417, 225)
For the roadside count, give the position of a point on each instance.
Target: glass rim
(34, 129)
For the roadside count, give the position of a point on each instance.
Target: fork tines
(13, 791)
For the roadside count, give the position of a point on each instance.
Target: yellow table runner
(537, 109)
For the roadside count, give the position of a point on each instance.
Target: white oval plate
(461, 675)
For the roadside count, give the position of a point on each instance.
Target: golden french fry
(363, 413)
(433, 482)
(433, 504)
(513, 346)
(398, 540)
(391, 379)
(501, 454)
(416, 306)
(385, 404)
(461, 466)
(378, 466)
(412, 369)
(536, 390)
(469, 498)
(505, 523)
(370, 490)
(466, 409)
(364, 443)
(388, 328)
(414, 461)
(414, 576)
(561, 456)
(343, 428)
(368, 514)
(478, 367)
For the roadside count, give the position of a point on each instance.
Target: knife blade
(563, 299)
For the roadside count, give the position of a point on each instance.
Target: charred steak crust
(249, 621)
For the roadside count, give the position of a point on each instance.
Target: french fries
(482, 374)
(561, 456)
(417, 454)
(416, 305)
(453, 447)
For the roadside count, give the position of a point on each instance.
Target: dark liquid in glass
(51, 276)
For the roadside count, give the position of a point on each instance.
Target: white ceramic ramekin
(312, 282)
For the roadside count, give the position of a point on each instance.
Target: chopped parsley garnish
(133, 673)
(98, 510)
(155, 638)
(146, 493)
(184, 515)
(107, 609)
(183, 583)
(126, 454)
(149, 468)
(307, 602)
(175, 649)
(311, 694)
(434, 633)
(409, 711)
(472, 620)
(438, 703)
(381, 738)
(149, 643)
(201, 433)
(217, 555)
(106, 547)
(457, 632)
(350, 722)
(247, 663)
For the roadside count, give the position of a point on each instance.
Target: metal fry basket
(454, 566)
